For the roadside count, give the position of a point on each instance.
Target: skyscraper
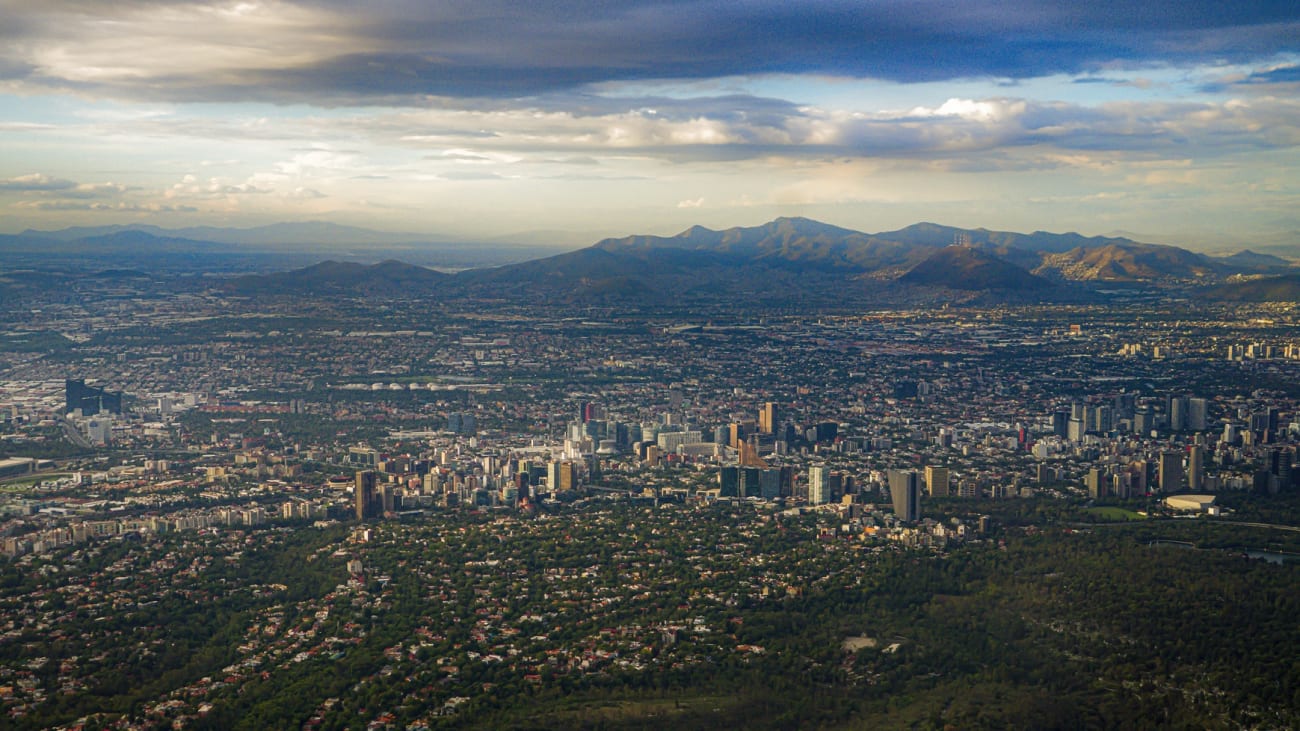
(767, 418)
(89, 399)
(905, 490)
(818, 489)
(1195, 468)
(1171, 471)
(937, 481)
(369, 503)
(1177, 413)
(1095, 481)
(1197, 414)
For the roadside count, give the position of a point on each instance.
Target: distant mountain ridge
(784, 241)
(790, 257)
(1285, 288)
(390, 278)
(276, 234)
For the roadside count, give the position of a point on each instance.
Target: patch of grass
(1115, 514)
(683, 712)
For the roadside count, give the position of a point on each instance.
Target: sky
(561, 121)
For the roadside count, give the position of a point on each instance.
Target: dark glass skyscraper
(91, 400)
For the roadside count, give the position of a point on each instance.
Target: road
(74, 435)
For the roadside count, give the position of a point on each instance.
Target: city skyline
(1176, 123)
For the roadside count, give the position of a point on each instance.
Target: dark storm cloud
(489, 48)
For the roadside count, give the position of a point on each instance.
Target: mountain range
(281, 241)
(786, 257)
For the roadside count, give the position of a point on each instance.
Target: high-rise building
(1177, 413)
(1143, 420)
(767, 418)
(1231, 434)
(905, 491)
(1198, 414)
(1196, 468)
(100, 430)
(563, 476)
(729, 481)
(1061, 423)
(1095, 481)
(369, 502)
(818, 486)
(90, 400)
(937, 481)
(737, 433)
(1171, 472)
(748, 454)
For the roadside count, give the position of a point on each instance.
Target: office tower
(905, 491)
(1061, 423)
(91, 400)
(568, 477)
(1198, 414)
(1095, 482)
(368, 500)
(818, 487)
(1285, 474)
(1103, 419)
(1171, 472)
(563, 476)
(1076, 430)
(767, 418)
(937, 481)
(1124, 405)
(737, 433)
(729, 482)
(1177, 413)
(1196, 468)
(1121, 484)
(944, 437)
(100, 430)
(1143, 421)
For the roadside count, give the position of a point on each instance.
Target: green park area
(1111, 513)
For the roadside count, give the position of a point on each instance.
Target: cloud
(39, 184)
(334, 52)
(469, 175)
(123, 207)
(987, 133)
(191, 187)
(696, 203)
(36, 182)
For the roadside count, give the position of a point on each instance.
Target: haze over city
(562, 123)
(690, 364)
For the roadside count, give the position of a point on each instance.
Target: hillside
(393, 278)
(1285, 288)
(798, 242)
(967, 268)
(1130, 262)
